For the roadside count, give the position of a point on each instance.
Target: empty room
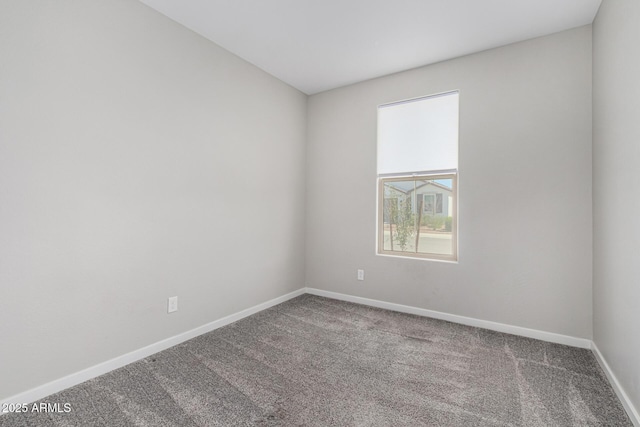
(319, 213)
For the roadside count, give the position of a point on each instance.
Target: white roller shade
(418, 135)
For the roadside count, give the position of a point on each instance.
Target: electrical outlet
(360, 274)
(172, 305)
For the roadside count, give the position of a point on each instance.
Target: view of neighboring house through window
(417, 177)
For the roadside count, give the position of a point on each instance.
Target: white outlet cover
(360, 274)
(172, 304)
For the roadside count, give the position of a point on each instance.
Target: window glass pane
(429, 203)
(418, 216)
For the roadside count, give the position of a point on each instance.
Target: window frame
(453, 175)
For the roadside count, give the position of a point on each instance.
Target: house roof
(408, 186)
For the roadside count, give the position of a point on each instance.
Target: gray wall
(525, 241)
(616, 185)
(137, 161)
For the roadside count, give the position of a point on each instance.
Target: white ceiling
(316, 45)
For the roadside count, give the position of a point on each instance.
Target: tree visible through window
(417, 177)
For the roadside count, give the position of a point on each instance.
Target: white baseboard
(626, 402)
(55, 386)
(469, 321)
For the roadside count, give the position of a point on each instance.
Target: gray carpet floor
(314, 361)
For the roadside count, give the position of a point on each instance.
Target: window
(439, 203)
(417, 177)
